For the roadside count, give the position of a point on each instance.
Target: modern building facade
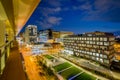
(52, 35)
(96, 46)
(31, 34)
(45, 35)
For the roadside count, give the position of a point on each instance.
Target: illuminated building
(52, 36)
(44, 35)
(96, 46)
(65, 33)
(13, 16)
(59, 35)
(31, 34)
(40, 48)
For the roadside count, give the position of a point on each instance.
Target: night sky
(78, 16)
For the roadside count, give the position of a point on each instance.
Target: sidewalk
(91, 65)
(14, 69)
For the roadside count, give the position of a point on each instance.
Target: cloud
(49, 21)
(90, 10)
(100, 10)
(84, 6)
(54, 20)
(54, 3)
(47, 11)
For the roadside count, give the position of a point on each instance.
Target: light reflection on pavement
(32, 69)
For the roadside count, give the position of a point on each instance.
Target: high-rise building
(44, 35)
(96, 46)
(31, 34)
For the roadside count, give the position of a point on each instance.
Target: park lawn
(62, 66)
(49, 57)
(70, 72)
(85, 76)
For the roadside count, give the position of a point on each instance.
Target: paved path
(14, 69)
(92, 65)
(65, 69)
(75, 76)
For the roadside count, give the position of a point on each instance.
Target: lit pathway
(99, 77)
(65, 69)
(75, 76)
(32, 69)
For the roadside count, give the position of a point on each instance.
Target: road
(31, 66)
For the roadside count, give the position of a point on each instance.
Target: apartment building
(96, 46)
(31, 34)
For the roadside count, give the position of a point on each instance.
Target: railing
(4, 54)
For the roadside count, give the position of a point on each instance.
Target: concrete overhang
(17, 12)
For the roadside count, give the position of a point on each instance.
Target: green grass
(49, 57)
(62, 66)
(70, 72)
(85, 76)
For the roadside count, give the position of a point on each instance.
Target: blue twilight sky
(78, 16)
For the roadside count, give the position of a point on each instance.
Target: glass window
(93, 38)
(105, 39)
(97, 38)
(101, 39)
(101, 55)
(97, 58)
(90, 38)
(101, 60)
(111, 39)
(90, 53)
(87, 38)
(105, 56)
(97, 54)
(93, 53)
(106, 43)
(101, 43)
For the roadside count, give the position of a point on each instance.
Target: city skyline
(78, 16)
(63, 40)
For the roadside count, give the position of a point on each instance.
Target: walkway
(64, 69)
(72, 78)
(14, 69)
(91, 65)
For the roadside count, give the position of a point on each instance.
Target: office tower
(31, 34)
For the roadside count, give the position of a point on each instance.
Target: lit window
(101, 43)
(97, 54)
(93, 53)
(105, 56)
(97, 39)
(97, 59)
(106, 43)
(93, 38)
(101, 39)
(90, 38)
(105, 39)
(101, 55)
(101, 60)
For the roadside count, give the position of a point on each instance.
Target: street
(31, 66)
